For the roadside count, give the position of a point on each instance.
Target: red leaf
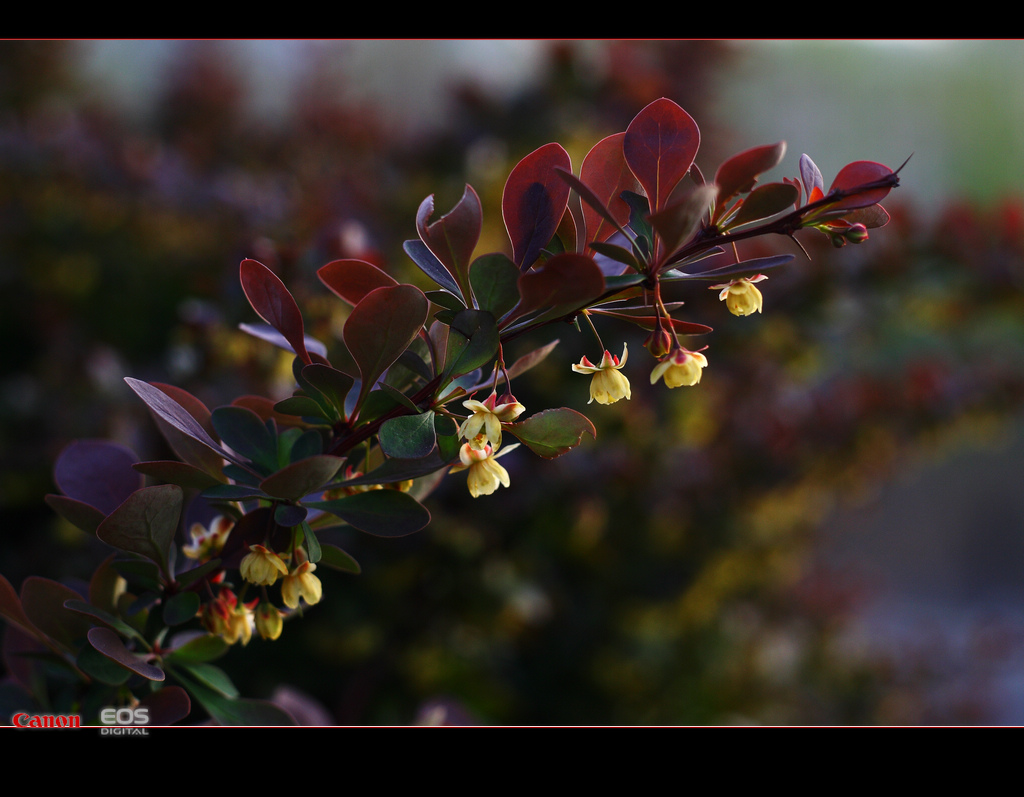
(274, 304)
(381, 327)
(660, 145)
(533, 202)
(564, 283)
(607, 175)
(857, 174)
(453, 237)
(351, 280)
(738, 174)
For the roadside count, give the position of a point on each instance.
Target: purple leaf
(169, 410)
(97, 473)
(110, 645)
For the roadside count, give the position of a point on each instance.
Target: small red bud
(659, 342)
(838, 240)
(857, 234)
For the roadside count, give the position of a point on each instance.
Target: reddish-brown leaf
(453, 237)
(739, 173)
(659, 146)
(351, 280)
(606, 174)
(274, 304)
(533, 202)
(857, 174)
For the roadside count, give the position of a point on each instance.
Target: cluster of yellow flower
(482, 431)
(679, 366)
(233, 620)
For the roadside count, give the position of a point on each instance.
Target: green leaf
(383, 513)
(408, 436)
(331, 383)
(617, 253)
(232, 492)
(191, 576)
(472, 342)
(145, 523)
(313, 548)
(551, 433)
(201, 649)
(301, 407)
(338, 559)
(181, 608)
(214, 678)
(495, 281)
(236, 712)
(244, 431)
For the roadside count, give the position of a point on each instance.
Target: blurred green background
(829, 529)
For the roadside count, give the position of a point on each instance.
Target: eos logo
(124, 719)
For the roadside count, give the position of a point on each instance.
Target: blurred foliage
(664, 574)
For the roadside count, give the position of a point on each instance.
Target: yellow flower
(740, 296)
(608, 385)
(262, 566)
(207, 543)
(229, 619)
(483, 427)
(269, 621)
(681, 367)
(301, 583)
(485, 475)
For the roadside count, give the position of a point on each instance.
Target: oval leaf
(606, 173)
(301, 478)
(454, 236)
(110, 645)
(351, 280)
(495, 283)
(856, 174)
(765, 201)
(551, 433)
(383, 513)
(381, 327)
(145, 523)
(408, 436)
(272, 302)
(97, 473)
(659, 146)
(533, 201)
(563, 284)
(739, 174)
